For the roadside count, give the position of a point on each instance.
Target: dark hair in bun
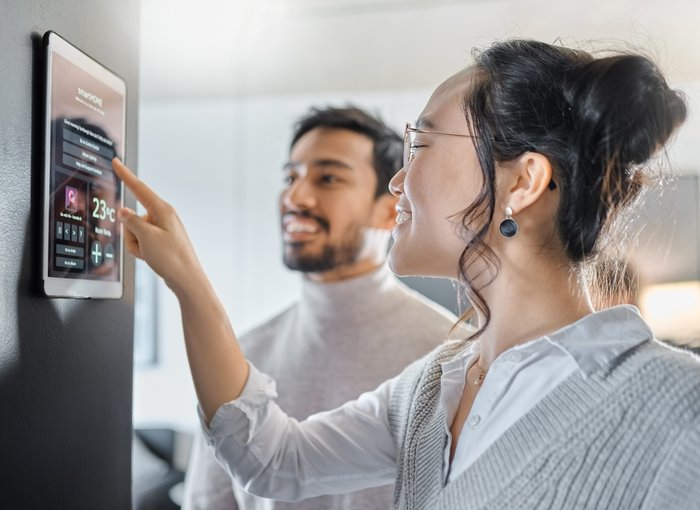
(596, 120)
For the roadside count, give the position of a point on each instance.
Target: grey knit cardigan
(626, 437)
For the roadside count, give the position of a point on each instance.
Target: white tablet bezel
(74, 287)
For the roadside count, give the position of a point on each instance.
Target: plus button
(96, 253)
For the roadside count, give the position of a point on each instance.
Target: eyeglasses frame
(410, 129)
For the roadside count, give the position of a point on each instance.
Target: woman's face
(441, 180)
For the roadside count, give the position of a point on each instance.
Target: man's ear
(529, 179)
(384, 211)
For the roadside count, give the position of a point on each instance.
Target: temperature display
(102, 211)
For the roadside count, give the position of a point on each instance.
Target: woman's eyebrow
(425, 123)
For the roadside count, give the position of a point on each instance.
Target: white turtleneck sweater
(340, 340)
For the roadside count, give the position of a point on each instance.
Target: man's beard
(330, 256)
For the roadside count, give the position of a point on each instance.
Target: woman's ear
(384, 211)
(529, 179)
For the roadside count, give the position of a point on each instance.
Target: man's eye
(329, 179)
(288, 179)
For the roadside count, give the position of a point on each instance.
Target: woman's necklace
(481, 374)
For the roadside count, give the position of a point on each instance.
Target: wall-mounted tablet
(85, 127)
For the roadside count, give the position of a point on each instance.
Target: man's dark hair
(388, 145)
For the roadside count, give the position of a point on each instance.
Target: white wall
(185, 156)
(250, 47)
(685, 152)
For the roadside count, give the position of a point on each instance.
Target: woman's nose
(396, 183)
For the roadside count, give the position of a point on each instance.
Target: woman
(516, 170)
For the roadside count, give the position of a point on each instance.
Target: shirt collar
(457, 364)
(598, 339)
(593, 341)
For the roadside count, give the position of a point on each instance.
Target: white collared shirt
(535, 368)
(351, 447)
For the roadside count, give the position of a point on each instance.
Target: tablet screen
(86, 116)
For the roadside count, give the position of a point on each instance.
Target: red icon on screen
(71, 199)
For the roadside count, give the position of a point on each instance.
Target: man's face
(327, 202)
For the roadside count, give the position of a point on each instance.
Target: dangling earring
(509, 227)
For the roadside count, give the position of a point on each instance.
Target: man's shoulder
(415, 308)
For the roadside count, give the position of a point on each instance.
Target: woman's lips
(402, 217)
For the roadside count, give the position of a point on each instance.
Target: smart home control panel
(85, 127)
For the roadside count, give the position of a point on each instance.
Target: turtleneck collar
(359, 293)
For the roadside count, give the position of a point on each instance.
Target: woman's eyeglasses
(409, 140)
(409, 145)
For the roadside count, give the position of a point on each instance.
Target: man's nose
(299, 195)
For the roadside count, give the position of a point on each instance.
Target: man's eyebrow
(323, 163)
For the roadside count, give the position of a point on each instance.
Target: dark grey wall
(440, 290)
(65, 365)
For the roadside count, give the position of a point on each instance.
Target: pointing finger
(141, 191)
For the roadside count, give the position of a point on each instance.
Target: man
(355, 324)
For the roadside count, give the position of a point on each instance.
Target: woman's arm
(219, 370)
(269, 453)
(275, 456)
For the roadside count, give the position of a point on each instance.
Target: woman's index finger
(140, 189)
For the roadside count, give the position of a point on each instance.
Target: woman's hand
(159, 237)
